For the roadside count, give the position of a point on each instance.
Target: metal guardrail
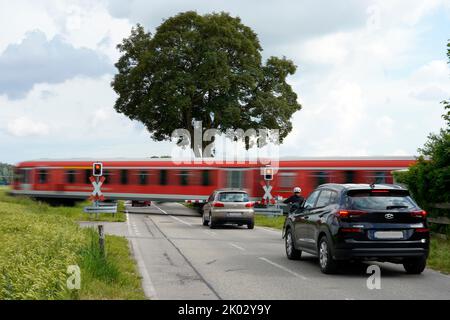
(269, 211)
(102, 207)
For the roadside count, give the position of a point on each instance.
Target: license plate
(388, 235)
(234, 214)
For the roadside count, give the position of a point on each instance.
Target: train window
(42, 176)
(287, 179)
(349, 176)
(184, 178)
(87, 175)
(143, 178)
(71, 176)
(123, 176)
(206, 181)
(322, 177)
(107, 174)
(380, 177)
(163, 177)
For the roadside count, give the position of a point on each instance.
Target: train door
(235, 178)
(25, 179)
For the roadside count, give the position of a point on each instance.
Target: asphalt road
(181, 259)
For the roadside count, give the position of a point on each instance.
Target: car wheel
(291, 252)
(327, 264)
(204, 221)
(212, 224)
(251, 225)
(415, 266)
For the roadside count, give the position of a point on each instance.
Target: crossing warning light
(97, 169)
(268, 174)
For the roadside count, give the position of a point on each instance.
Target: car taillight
(422, 230)
(249, 205)
(350, 230)
(419, 214)
(350, 213)
(218, 205)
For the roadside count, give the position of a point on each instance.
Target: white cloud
(25, 127)
(36, 60)
(369, 77)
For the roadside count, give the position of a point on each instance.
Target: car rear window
(233, 197)
(379, 200)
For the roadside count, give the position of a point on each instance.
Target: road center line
(173, 217)
(236, 246)
(283, 268)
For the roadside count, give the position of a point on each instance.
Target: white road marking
(283, 268)
(147, 284)
(270, 230)
(236, 246)
(210, 232)
(178, 219)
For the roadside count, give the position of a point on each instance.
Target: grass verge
(276, 222)
(40, 242)
(439, 258)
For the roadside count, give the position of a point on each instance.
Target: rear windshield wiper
(396, 207)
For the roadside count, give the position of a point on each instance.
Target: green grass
(39, 242)
(75, 212)
(276, 222)
(439, 258)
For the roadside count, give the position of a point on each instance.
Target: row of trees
(429, 178)
(6, 174)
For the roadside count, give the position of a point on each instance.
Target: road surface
(179, 258)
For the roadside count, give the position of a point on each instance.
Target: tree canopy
(429, 178)
(202, 68)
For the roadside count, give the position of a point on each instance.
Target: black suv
(345, 222)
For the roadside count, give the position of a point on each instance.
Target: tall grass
(95, 262)
(37, 244)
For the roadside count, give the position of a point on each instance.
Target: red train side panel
(167, 181)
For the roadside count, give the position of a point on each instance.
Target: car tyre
(212, 223)
(327, 264)
(415, 266)
(251, 225)
(291, 252)
(204, 221)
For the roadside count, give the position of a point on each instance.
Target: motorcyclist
(296, 200)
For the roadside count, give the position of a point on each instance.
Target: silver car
(229, 206)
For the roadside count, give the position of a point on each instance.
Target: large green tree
(202, 68)
(429, 178)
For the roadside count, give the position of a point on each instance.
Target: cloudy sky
(370, 74)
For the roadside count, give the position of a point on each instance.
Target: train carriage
(164, 180)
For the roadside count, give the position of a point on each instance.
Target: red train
(162, 180)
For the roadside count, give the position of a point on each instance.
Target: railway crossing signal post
(97, 179)
(271, 209)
